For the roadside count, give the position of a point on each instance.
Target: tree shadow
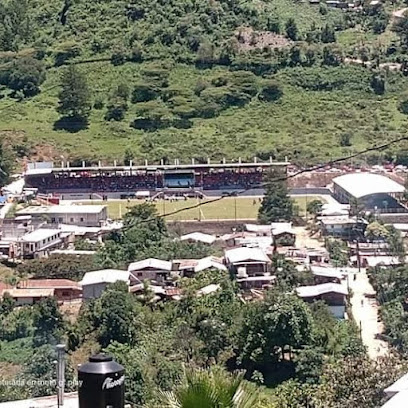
(71, 124)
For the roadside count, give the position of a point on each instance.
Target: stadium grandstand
(89, 182)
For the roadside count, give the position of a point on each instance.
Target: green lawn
(228, 208)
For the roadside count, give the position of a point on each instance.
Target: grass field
(229, 208)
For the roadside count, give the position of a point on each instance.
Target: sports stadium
(154, 181)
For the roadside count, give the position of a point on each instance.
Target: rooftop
(317, 290)
(199, 237)
(206, 290)
(105, 276)
(48, 283)
(237, 255)
(363, 184)
(62, 209)
(29, 293)
(40, 234)
(150, 263)
(326, 272)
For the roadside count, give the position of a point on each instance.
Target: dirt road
(365, 312)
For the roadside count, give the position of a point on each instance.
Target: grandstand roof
(154, 167)
(363, 184)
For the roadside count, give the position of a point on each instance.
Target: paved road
(365, 310)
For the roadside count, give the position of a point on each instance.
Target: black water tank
(101, 383)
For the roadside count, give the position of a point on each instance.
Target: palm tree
(211, 389)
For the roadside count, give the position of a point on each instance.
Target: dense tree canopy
(276, 205)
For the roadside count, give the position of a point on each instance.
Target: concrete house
(94, 283)
(81, 215)
(39, 243)
(64, 289)
(333, 294)
(155, 270)
(24, 297)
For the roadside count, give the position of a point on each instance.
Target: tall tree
(276, 205)
(291, 29)
(74, 97)
(118, 314)
(48, 322)
(269, 326)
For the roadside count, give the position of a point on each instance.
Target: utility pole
(60, 374)
(235, 208)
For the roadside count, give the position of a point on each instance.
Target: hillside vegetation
(181, 79)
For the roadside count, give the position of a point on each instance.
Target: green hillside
(182, 79)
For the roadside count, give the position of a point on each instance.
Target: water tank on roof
(101, 383)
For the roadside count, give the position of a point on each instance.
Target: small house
(248, 261)
(155, 270)
(95, 282)
(333, 294)
(64, 289)
(24, 297)
(39, 243)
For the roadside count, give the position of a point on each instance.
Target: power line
(285, 178)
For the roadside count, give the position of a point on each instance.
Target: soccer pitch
(229, 208)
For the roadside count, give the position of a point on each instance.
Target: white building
(152, 269)
(82, 215)
(39, 243)
(374, 190)
(94, 283)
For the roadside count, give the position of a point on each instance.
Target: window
(82, 219)
(140, 274)
(60, 219)
(71, 219)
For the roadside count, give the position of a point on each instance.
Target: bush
(144, 92)
(116, 109)
(65, 52)
(271, 91)
(23, 75)
(330, 78)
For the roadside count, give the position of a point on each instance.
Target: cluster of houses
(247, 257)
(38, 231)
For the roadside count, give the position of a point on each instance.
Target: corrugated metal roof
(29, 293)
(243, 254)
(198, 237)
(363, 184)
(40, 234)
(150, 263)
(48, 283)
(63, 209)
(105, 276)
(317, 290)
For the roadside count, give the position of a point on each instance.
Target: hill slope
(195, 75)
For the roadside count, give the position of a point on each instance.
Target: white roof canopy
(105, 276)
(243, 254)
(153, 263)
(317, 290)
(363, 184)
